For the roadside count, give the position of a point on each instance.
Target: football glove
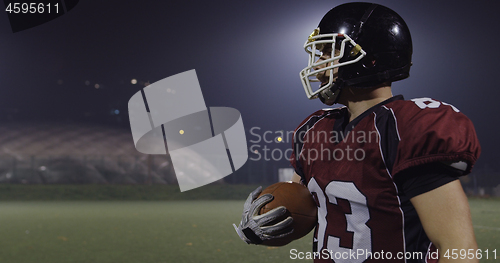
(255, 228)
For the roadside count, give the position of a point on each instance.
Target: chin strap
(330, 95)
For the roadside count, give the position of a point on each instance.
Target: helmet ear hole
(369, 61)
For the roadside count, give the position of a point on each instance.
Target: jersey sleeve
(433, 131)
(424, 178)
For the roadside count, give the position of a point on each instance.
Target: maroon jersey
(350, 167)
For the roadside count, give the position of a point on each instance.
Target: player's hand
(255, 228)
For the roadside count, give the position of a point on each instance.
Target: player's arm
(445, 216)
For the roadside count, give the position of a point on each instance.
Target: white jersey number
(430, 103)
(356, 221)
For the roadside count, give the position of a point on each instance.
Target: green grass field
(157, 231)
(486, 220)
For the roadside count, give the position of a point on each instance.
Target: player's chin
(326, 81)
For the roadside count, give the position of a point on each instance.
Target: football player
(383, 170)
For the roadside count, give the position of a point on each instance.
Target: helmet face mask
(373, 45)
(314, 46)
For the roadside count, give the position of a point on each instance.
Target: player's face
(324, 76)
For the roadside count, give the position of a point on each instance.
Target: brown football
(300, 205)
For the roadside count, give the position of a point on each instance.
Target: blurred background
(66, 85)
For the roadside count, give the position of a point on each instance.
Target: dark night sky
(247, 55)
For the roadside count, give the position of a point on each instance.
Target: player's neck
(360, 100)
